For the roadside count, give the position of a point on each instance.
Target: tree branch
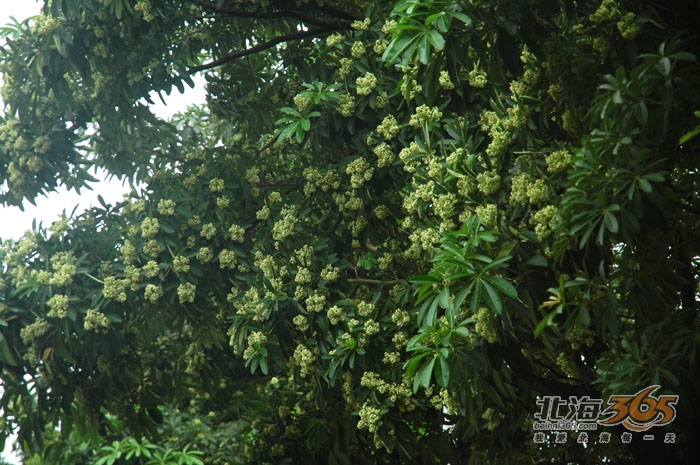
(260, 47)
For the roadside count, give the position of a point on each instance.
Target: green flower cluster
(558, 161)
(236, 233)
(227, 259)
(186, 292)
(346, 105)
(150, 227)
(34, 331)
(58, 305)
(166, 207)
(153, 293)
(304, 359)
(360, 172)
(115, 289)
(389, 127)
(181, 264)
(96, 321)
(425, 115)
(486, 325)
(366, 84)
(336, 315)
(544, 220)
(384, 154)
(488, 182)
(205, 255)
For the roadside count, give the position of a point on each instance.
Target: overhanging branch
(260, 47)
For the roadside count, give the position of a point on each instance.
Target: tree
(392, 229)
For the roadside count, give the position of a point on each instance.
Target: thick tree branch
(260, 47)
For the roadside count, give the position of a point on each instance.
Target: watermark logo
(637, 413)
(640, 411)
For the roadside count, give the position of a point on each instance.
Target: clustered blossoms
(336, 315)
(63, 265)
(488, 214)
(181, 264)
(152, 268)
(150, 227)
(284, 227)
(580, 336)
(208, 231)
(34, 331)
(153, 293)
(488, 182)
(360, 172)
(345, 67)
(425, 115)
(346, 105)
(384, 154)
(205, 255)
(256, 341)
(58, 305)
(166, 207)
(236, 233)
(304, 358)
(389, 127)
(315, 303)
(544, 221)
(366, 84)
(445, 81)
(558, 161)
(216, 185)
(96, 321)
(227, 259)
(486, 324)
(370, 418)
(358, 49)
(334, 39)
(115, 289)
(186, 292)
(478, 78)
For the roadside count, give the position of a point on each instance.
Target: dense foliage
(392, 228)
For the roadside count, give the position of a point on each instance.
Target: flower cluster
(425, 115)
(34, 331)
(384, 154)
(284, 227)
(315, 303)
(208, 231)
(58, 305)
(346, 105)
(96, 321)
(336, 315)
(366, 84)
(63, 265)
(544, 221)
(150, 227)
(478, 78)
(360, 172)
(205, 255)
(486, 325)
(488, 214)
(236, 233)
(216, 184)
(358, 49)
(227, 259)
(389, 127)
(488, 182)
(445, 81)
(153, 293)
(186, 292)
(370, 418)
(558, 161)
(166, 207)
(115, 288)
(181, 264)
(304, 358)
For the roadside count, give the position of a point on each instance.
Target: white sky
(14, 222)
